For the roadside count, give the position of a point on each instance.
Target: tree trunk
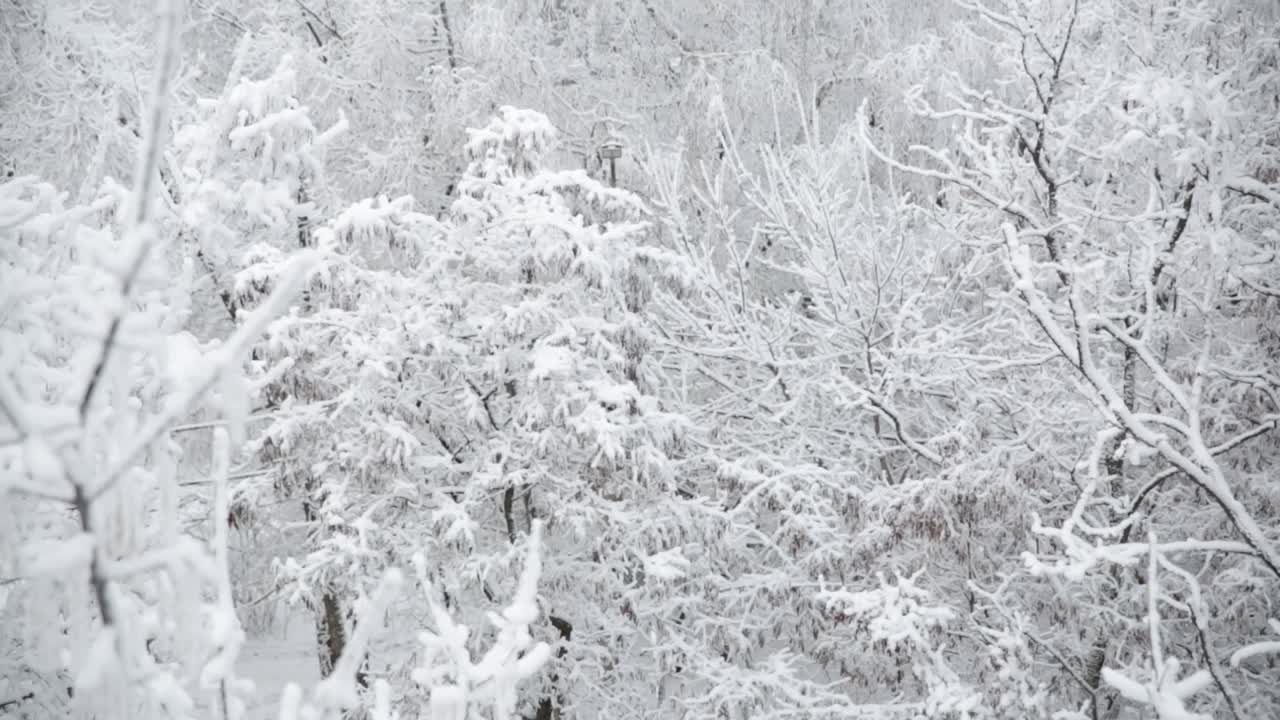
(331, 633)
(1115, 467)
(331, 637)
(549, 705)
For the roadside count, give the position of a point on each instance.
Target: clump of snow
(1263, 647)
(667, 565)
(1165, 693)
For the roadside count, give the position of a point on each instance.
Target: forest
(640, 359)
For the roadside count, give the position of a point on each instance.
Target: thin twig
(448, 35)
(323, 24)
(1195, 606)
(229, 353)
(1164, 475)
(147, 170)
(146, 173)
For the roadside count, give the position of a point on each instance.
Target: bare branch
(323, 23)
(1256, 190)
(1195, 606)
(448, 35)
(1258, 288)
(667, 28)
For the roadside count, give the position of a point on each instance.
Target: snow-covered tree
(450, 374)
(962, 405)
(111, 608)
(115, 582)
(1125, 182)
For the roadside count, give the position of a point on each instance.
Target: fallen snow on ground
(273, 662)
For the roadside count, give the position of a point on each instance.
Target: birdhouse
(611, 149)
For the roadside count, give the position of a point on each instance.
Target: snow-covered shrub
(126, 614)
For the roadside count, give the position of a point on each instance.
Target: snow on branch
(1165, 692)
(1262, 647)
(1198, 461)
(455, 680)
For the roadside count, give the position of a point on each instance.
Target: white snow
(667, 565)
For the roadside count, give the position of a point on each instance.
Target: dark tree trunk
(331, 633)
(549, 705)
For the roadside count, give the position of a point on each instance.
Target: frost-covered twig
(226, 631)
(142, 236)
(1010, 206)
(1165, 692)
(217, 363)
(1200, 467)
(1199, 617)
(1222, 447)
(139, 232)
(457, 682)
(338, 691)
(1264, 647)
